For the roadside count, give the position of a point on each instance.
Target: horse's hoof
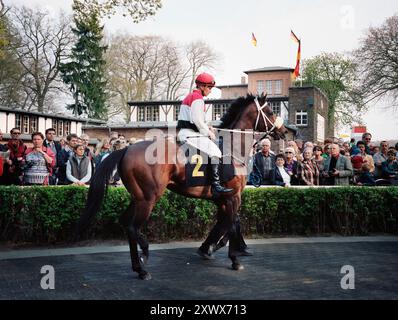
(145, 276)
(237, 267)
(205, 255)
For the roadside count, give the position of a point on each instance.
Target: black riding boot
(216, 187)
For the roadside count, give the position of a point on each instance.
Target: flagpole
(301, 77)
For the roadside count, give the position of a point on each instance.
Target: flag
(296, 71)
(294, 37)
(254, 40)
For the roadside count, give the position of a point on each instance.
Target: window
(278, 86)
(176, 112)
(141, 113)
(276, 108)
(67, 128)
(268, 87)
(260, 86)
(33, 124)
(219, 110)
(301, 118)
(152, 113)
(25, 125)
(148, 113)
(18, 122)
(61, 127)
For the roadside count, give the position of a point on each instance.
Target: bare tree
(199, 56)
(42, 44)
(137, 70)
(377, 58)
(138, 10)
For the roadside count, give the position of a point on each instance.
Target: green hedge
(47, 214)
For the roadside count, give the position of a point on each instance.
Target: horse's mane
(237, 107)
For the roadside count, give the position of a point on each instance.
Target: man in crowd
(367, 137)
(17, 150)
(56, 148)
(264, 162)
(379, 158)
(66, 153)
(338, 168)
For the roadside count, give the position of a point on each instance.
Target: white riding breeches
(199, 141)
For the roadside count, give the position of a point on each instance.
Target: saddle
(198, 171)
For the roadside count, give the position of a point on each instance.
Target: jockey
(195, 131)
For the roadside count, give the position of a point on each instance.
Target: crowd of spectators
(333, 163)
(72, 161)
(50, 162)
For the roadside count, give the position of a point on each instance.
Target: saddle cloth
(198, 170)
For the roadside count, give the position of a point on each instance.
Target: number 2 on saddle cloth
(198, 171)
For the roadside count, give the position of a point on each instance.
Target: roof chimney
(243, 80)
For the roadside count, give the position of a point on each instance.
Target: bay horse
(146, 182)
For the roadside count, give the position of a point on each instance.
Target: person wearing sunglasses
(291, 165)
(17, 153)
(196, 132)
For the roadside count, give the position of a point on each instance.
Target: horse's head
(267, 121)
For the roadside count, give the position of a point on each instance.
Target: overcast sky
(226, 25)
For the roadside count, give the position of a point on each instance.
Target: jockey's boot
(216, 187)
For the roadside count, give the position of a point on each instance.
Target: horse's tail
(96, 193)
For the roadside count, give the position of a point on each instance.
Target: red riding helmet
(205, 79)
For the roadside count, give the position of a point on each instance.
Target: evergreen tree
(85, 71)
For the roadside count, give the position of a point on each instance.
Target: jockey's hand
(212, 135)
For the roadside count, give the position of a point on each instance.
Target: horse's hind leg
(132, 219)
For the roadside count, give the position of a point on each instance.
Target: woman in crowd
(103, 148)
(297, 155)
(317, 151)
(38, 162)
(308, 171)
(291, 165)
(279, 175)
(78, 167)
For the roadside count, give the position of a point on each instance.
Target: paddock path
(284, 268)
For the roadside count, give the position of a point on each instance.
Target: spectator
(291, 165)
(87, 151)
(264, 162)
(337, 169)
(4, 157)
(132, 141)
(308, 171)
(13, 165)
(366, 157)
(390, 168)
(318, 157)
(346, 147)
(365, 178)
(56, 148)
(379, 158)
(279, 175)
(78, 167)
(103, 148)
(62, 142)
(308, 144)
(39, 162)
(66, 153)
(396, 149)
(375, 150)
(297, 154)
(367, 137)
(356, 160)
(327, 150)
(352, 143)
